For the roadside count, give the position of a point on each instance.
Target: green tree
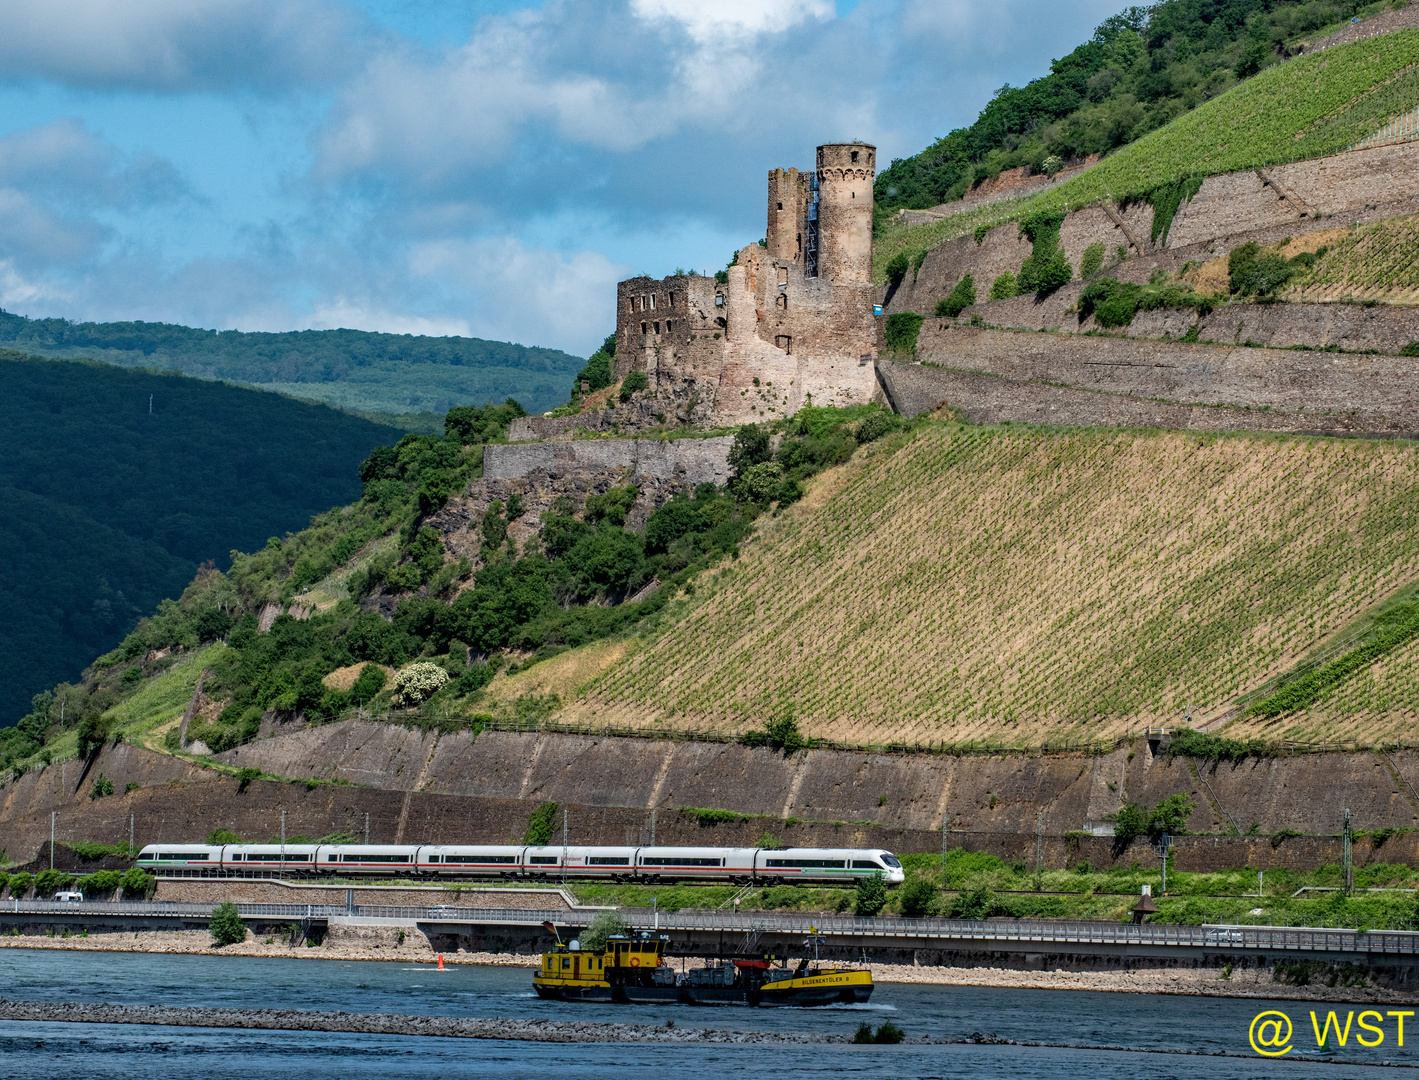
(49, 882)
(1170, 816)
(897, 268)
(20, 884)
(918, 898)
(750, 448)
(101, 786)
(871, 895)
(962, 297)
(138, 884)
(227, 926)
(93, 733)
(223, 836)
(1132, 821)
(1004, 287)
(977, 904)
(604, 924)
(634, 382)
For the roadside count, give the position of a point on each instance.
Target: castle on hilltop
(794, 320)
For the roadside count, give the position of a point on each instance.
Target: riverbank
(358, 944)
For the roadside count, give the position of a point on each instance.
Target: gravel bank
(456, 1027)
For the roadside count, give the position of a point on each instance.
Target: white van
(68, 898)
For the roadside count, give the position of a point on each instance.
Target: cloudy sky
(483, 167)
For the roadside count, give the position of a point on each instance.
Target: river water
(1146, 1024)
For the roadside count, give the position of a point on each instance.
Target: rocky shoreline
(455, 1027)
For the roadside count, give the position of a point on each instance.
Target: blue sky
(484, 167)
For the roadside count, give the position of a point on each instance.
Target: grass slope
(109, 508)
(395, 374)
(1023, 585)
(1314, 105)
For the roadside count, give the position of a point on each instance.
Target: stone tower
(844, 213)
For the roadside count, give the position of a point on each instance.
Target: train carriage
(734, 865)
(367, 859)
(454, 860)
(827, 865)
(617, 863)
(180, 858)
(266, 858)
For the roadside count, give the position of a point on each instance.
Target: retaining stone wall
(1310, 391)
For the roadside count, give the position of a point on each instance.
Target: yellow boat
(632, 969)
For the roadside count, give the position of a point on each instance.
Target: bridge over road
(782, 933)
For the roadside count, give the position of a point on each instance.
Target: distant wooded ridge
(117, 483)
(357, 370)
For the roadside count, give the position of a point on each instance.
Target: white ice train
(739, 866)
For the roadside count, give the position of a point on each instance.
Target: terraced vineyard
(1023, 586)
(1373, 262)
(1314, 105)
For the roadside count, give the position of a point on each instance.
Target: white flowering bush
(419, 682)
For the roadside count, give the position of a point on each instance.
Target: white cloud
(176, 44)
(713, 22)
(344, 313)
(529, 295)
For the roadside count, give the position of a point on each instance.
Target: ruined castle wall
(788, 201)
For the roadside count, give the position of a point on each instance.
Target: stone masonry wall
(1265, 205)
(458, 789)
(1309, 391)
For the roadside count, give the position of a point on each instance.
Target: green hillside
(1141, 69)
(375, 584)
(110, 507)
(396, 374)
(1310, 106)
(1024, 586)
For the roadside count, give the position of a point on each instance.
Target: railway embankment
(398, 785)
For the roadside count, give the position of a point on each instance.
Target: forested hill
(351, 369)
(116, 484)
(1141, 69)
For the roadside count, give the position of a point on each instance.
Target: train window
(185, 856)
(435, 858)
(499, 859)
(543, 860)
(374, 858)
(809, 864)
(891, 860)
(607, 860)
(236, 858)
(865, 864)
(656, 860)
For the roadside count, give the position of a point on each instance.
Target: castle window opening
(657, 328)
(780, 206)
(643, 328)
(672, 299)
(784, 342)
(652, 301)
(854, 155)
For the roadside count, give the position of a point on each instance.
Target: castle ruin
(792, 324)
